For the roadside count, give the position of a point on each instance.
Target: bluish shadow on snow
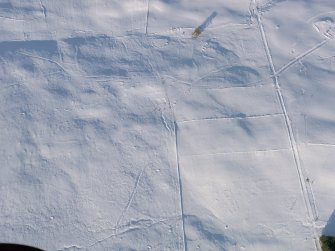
(29, 9)
(95, 124)
(230, 70)
(8, 47)
(170, 1)
(6, 6)
(103, 55)
(327, 19)
(234, 76)
(238, 115)
(238, 75)
(89, 40)
(220, 50)
(224, 67)
(208, 21)
(329, 230)
(59, 91)
(246, 126)
(208, 234)
(205, 231)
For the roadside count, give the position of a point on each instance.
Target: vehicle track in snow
(173, 130)
(308, 194)
(180, 185)
(175, 133)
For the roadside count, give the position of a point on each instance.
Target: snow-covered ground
(119, 131)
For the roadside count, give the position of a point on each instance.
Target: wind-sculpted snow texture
(119, 131)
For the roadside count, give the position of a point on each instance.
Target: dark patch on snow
(6, 5)
(59, 91)
(8, 47)
(329, 230)
(246, 126)
(17, 247)
(208, 232)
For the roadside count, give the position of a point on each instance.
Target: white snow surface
(119, 131)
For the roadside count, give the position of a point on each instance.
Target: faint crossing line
(301, 56)
(130, 200)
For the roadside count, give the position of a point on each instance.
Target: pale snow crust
(119, 131)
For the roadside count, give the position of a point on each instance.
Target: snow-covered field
(119, 131)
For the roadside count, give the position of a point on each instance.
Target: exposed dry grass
(196, 32)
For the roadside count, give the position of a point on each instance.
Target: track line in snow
(301, 56)
(261, 82)
(45, 59)
(180, 185)
(165, 122)
(147, 18)
(231, 118)
(174, 131)
(3, 88)
(238, 152)
(319, 15)
(130, 200)
(320, 144)
(136, 222)
(44, 10)
(216, 71)
(307, 195)
(181, 204)
(313, 202)
(71, 247)
(12, 18)
(96, 78)
(138, 226)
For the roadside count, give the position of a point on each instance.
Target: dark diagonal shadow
(208, 21)
(16, 247)
(204, 25)
(329, 230)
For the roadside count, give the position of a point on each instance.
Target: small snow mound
(325, 26)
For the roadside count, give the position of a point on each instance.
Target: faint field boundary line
(320, 144)
(175, 131)
(238, 152)
(231, 118)
(180, 184)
